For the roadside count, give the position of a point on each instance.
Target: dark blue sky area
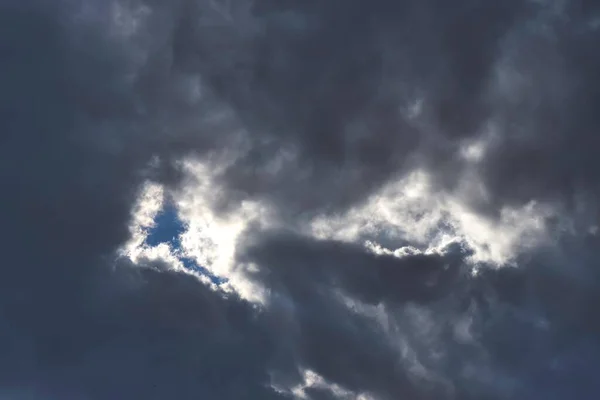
(167, 229)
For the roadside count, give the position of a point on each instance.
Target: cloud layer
(399, 199)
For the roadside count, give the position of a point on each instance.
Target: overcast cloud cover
(383, 199)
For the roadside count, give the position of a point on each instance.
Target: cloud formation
(399, 199)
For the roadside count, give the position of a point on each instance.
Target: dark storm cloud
(541, 109)
(330, 80)
(300, 262)
(76, 142)
(490, 336)
(331, 83)
(87, 107)
(311, 276)
(170, 337)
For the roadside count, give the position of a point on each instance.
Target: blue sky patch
(167, 229)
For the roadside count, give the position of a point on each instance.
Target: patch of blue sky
(167, 229)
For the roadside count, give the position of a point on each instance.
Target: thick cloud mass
(306, 111)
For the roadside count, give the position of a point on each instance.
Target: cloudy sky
(299, 199)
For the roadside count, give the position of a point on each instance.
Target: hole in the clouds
(167, 229)
(191, 265)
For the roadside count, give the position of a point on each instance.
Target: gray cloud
(335, 93)
(368, 277)
(93, 94)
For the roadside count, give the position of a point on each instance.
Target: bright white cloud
(150, 202)
(409, 210)
(403, 211)
(211, 238)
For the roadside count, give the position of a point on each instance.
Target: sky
(299, 200)
(167, 228)
(165, 234)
